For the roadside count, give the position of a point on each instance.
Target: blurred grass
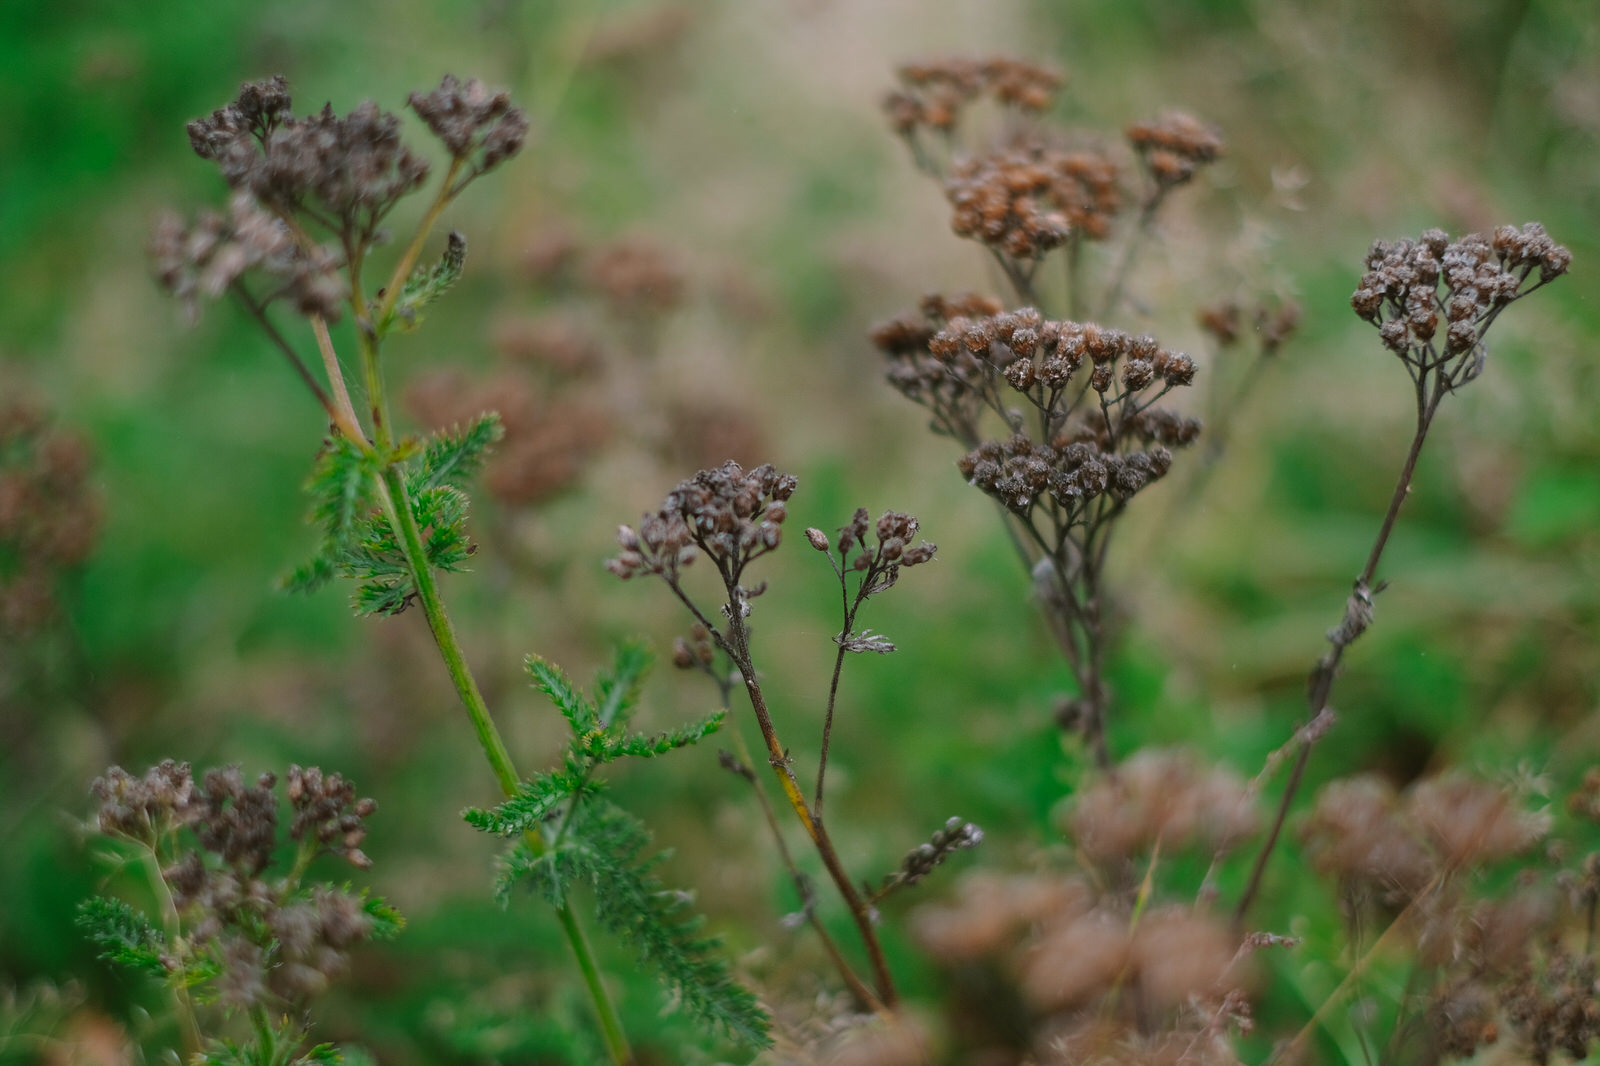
(754, 144)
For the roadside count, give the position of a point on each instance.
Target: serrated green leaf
(578, 711)
(427, 284)
(124, 935)
(618, 688)
(647, 746)
(603, 847)
(387, 922)
(536, 800)
(452, 456)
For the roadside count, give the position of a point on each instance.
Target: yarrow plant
(1060, 417)
(311, 198)
(1063, 418)
(235, 929)
(731, 518)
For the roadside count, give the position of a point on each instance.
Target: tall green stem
(398, 504)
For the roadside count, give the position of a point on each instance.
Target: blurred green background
(745, 137)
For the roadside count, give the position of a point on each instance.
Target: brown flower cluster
(1413, 289)
(934, 92)
(1174, 146)
(957, 834)
(272, 941)
(49, 515)
(1165, 798)
(1273, 324)
(731, 515)
(1384, 846)
(327, 812)
(880, 561)
(1025, 201)
(478, 125)
(1099, 984)
(346, 173)
(215, 252)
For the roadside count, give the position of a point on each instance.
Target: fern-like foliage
(124, 936)
(573, 837)
(425, 285)
(358, 540)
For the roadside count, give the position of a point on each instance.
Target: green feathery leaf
(535, 801)
(124, 936)
(604, 847)
(647, 746)
(427, 284)
(618, 688)
(386, 921)
(343, 490)
(452, 456)
(573, 705)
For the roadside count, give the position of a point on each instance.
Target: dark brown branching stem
(740, 766)
(1358, 614)
(735, 643)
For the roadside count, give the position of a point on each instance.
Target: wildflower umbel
(731, 516)
(1433, 301)
(1085, 434)
(266, 938)
(1413, 290)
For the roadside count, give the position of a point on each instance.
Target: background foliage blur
(745, 141)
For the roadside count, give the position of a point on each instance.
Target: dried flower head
(347, 172)
(1432, 300)
(1174, 146)
(1355, 834)
(556, 342)
(328, 813)
(215, 253)
(478, 125)
(636, 275)
(262, 940)
(731, 515)
(1168, 797)
(934, 92)
(1472, 823)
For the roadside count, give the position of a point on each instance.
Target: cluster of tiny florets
(1413, 290)
(1026, 201)
(955, 835)
(328, 811)
(477, 124)
(731, 515)
(206, 258)
(1174, 146)
(1165, 798)
(933, 93)
(269, 941)
(892, 549)
(1383, 845)
(348, 170)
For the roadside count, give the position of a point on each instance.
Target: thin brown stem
(331, 367)
(858, 988)
(738, 649)
(1357, 617)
